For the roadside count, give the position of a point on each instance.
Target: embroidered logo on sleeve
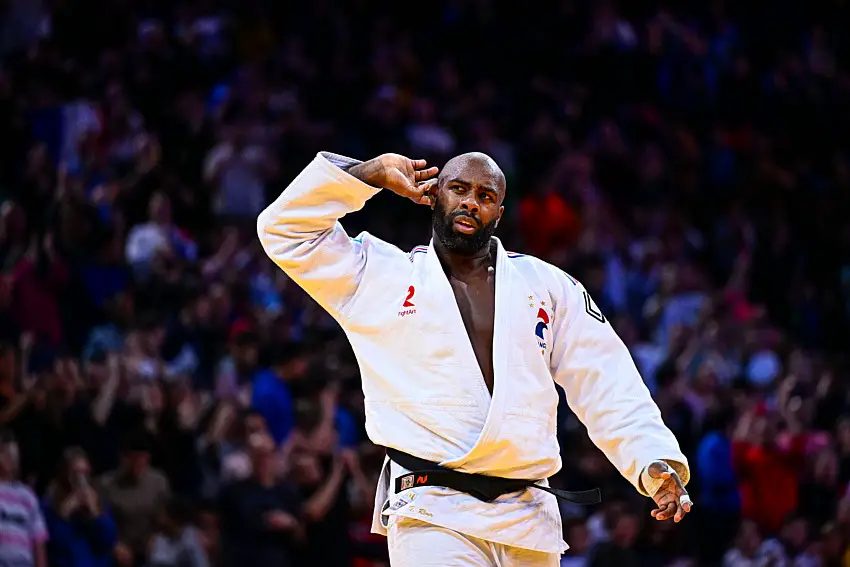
(592, 309)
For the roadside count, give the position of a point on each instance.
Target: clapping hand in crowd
(281, 521)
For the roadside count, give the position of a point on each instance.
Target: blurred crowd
(169, 399)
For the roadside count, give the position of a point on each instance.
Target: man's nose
(469, 204)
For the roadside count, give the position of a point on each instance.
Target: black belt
(482, 487)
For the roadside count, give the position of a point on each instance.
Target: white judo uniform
(424, 391)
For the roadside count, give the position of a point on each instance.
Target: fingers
(674, 506)
(425, 192)
(420, 173)
(429, 186)
(683, 508)
(664, 511)
(423, 174)
(680, 488)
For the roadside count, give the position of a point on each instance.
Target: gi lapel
(501, 333)
(444, 302)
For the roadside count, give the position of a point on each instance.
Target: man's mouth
(465, 224)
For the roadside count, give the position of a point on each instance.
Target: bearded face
(460, 231)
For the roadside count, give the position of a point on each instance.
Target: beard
(456, 242)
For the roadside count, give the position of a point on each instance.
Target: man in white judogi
(459, 345)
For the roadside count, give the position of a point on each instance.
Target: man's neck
(458, 265)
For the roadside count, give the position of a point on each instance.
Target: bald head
(476, 165)
(468, 203)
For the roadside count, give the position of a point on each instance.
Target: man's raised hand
(411, 178)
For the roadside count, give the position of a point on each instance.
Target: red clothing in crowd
(547, 222)
(371, 546)
(768, 480)
(35, 305)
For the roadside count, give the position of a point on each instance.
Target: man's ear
(499, 218)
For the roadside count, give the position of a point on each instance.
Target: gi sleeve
(606, 392)
(301, 232)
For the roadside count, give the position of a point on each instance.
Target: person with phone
(82, 532)
(21, 523)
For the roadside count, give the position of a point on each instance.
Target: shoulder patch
(592, 309)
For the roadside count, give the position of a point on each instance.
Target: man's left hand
(672, 499)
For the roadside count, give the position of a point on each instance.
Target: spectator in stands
(13, 238)
(237, 464)
(548, 222)
(259, 515)
(272, 390)
(208, 524)
(235, 372)
(792, 544)
(322, 486)
(663, 544)
(719, 498)
(135, 493)
(821, 489)
(82, 532)
(22, 530)
(237, 170)
(177, 543)
(575, 532)
(619, 550)
(22, 402)
(39, 277)
(366, 546)
(761, 463)
(745, 552)
(158, 245)
(169, 418)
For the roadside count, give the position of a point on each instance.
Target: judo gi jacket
(424, 391)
